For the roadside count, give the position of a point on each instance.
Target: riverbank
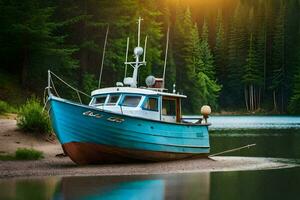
(11, 139)
(51, 165)
(65, 167)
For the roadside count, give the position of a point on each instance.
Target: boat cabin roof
(130, 90)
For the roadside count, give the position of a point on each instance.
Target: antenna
(103, 55)
(145, 46)
(138, 51)
(139, 30)
(127, 48)
(166, 56)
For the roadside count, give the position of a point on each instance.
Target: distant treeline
(234, 54)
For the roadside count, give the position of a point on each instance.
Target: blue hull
(76, 123)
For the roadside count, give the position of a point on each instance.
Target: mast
(138, 51)
(103, 55)
(166, 57)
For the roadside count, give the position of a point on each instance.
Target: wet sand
(65, 167)
(11, 139)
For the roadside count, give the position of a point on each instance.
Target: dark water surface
(280, 140)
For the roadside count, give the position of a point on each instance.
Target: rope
(70, 85)
(232, 150)
(79, 97)
(45, 101)
(54, 87)
(45, 105)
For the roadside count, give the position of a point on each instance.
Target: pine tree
(294, 101)
(237, 52)
(188, 36)
(278, 59)
(206, 57)
(251, 78)
(220, 50)
(295, 98)
(35, 40)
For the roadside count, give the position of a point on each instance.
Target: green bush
(7, 157)
(31, 118)
(28, 154)
(5, 108)
(23, 154)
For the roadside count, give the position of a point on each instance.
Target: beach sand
(51, 165)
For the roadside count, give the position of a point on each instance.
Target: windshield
(131, 101)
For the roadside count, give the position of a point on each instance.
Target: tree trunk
(251, 90)
(254, 98)
(259, 97)
(246, 97)
(282, 100)
(274, 100)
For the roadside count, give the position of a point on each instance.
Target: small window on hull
(151, 104)
(131, 101)
(100, 100)
(169, 107)
(113, 99)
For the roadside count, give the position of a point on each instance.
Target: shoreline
(65, 167)
(51, 165)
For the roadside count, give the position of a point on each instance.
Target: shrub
(7, 157)
(28, 154)
(5, 108)
(23, 154)
(31, 118)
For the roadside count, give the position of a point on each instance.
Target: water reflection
(31, 188)
(264, 185)
(137, 187)
(278, 143)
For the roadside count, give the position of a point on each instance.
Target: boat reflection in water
(137, 187)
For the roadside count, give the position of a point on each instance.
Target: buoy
(205, 111)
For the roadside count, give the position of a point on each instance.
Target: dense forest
(230, 54)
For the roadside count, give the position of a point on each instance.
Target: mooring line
(232, 150)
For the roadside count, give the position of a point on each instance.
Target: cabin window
(100, 100)
(113, 99)
(131, 101)
(169, 107)
(151, 103)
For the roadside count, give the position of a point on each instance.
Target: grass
(31, 118)
(28, 154)
(23, 154)
(6, 108)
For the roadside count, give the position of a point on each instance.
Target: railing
(51, 86)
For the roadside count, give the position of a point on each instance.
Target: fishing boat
(127, 123)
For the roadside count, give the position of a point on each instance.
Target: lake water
(276, 136)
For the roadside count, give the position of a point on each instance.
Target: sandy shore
(11, 139)
(65, 167)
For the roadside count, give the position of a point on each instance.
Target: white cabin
(140, 102)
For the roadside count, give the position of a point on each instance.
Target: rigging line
(69, 85)
(232, 150)
(44, 100)
(166, 56)
(78, 96)
(127, 48)
(103, 55)
(54, 87)
(44, 96)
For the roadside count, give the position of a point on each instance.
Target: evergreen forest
(234, 55)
